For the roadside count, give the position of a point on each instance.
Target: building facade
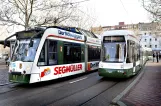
(149, 33)
(121, 26)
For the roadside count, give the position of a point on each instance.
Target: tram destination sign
(25, 34)
(114, 39)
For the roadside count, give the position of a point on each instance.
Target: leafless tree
(82, 19)
(153, 7)
(29, 13)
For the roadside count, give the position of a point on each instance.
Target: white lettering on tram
(67, 69)
(62, 70)
(71, 35)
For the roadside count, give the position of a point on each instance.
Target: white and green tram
(48, 53)
(121, 54)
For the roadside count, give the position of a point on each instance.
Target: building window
(145, 45)
(155, 39)
(145, 40)
(155, 46)
(150, 39)
(150, 46)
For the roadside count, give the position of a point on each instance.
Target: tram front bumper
(115, 73)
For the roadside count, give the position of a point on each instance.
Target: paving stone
(147, 92)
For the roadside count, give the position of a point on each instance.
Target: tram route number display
(114, 39)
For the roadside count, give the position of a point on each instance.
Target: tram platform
(147, 91)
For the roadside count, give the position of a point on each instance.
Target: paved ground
(147, 92)
(3, 72)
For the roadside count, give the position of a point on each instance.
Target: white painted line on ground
(6, 84)
(78, 80)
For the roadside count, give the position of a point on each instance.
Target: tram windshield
(23, 52)
(114, 52)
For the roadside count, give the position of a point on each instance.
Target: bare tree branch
(29, 13)
(153, 7)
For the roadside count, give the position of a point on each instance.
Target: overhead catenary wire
(71, 3)
(80, 1)
(126, 11)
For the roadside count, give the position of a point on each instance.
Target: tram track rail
(61, 90)
(81, 90)
(47, 84)
(48, 104)
(98, 94)
(42, 91)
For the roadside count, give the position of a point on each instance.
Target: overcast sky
(111, 12)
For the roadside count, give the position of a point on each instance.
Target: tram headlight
(100, 65)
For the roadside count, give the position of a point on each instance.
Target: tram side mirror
(31, 43)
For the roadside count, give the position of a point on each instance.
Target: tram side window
(93, 53)
(72, 53)
(43, 55)
(52, 52)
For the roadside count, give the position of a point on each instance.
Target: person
(6, 59)
(153, 56)
(157, 57)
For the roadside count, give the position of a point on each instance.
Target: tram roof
(70, 29)
(117, 32)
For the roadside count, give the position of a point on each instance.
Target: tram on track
(121, 54)
(48, 53)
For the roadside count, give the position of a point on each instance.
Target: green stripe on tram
(19, 78)
(117, 73)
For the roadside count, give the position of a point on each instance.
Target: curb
(116, 101)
